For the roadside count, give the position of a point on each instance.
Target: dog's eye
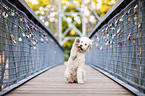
(85, 44)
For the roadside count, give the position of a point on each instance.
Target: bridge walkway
(53, 83)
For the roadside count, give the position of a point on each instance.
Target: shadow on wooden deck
(53, 83)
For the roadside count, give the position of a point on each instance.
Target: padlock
(133, 41)
(32, 26)
(35, 29)
(128, 11)
(116, 22)
(34, 47)
(135, 8)
(121, 19)
(121, 44)
(12, 14)
(107, 43)
(30, 35)
(27, 26)
(33, 42)
(111, 42)
(23, 35)
(120, 34)
(40, 35)
(19, 27)
(5, 14)
(118, 31)
(139, 25)
(98, 38)
(12, 37)
(113, 36)
(110, 25)
(128, 18)
(27, 36)
(16, 14)
(21, 19)
(14, 41)
(41, 39)
(101, 48)
(128, 37)
(20, 39)
(112, 28)
(104, 37)
(24, 20)
(96, 44)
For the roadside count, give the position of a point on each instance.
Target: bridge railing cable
(119, 44)
(27, 46)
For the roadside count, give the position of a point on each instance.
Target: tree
(50, 7)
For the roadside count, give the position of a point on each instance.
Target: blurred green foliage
(41, 7)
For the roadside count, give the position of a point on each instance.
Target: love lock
(20, 39)
(5, 14)
(12, 37)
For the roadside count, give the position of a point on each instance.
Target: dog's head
(83, 44)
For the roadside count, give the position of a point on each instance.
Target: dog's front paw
(70, 81)
(80, 82)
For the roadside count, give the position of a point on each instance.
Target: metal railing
(26, 45)
(119, 45)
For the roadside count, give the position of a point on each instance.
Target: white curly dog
(74, 72)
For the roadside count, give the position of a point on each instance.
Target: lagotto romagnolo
(74, 71)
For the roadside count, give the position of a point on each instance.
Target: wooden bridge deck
(53, 83)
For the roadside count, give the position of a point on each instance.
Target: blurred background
(48, 11)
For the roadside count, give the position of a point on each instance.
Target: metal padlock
(12, 37)
(21, 19)
(139, 25)
(12, 14)
(19, 27)
(34, 47)
(120, 34)
(118, 31)
(20, 39)
(5, 14)
(128, 37)
(23, 35)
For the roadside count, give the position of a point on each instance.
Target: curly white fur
(74, 71)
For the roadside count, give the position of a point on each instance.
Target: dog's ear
(90, 46)
(77, 40)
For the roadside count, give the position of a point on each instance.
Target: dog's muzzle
(80, 49)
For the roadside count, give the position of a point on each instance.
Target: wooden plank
(53, 83)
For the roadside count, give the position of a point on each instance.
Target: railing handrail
(23, 6)
(27, 46)
(118, 49)
(115, 9)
